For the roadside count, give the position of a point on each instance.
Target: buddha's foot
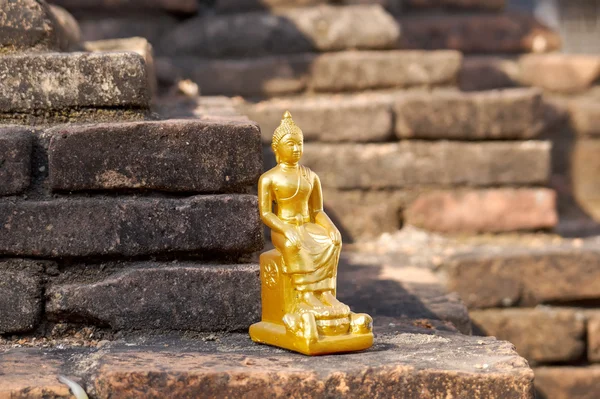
(302, 325)
(339, 308)
(361, 323)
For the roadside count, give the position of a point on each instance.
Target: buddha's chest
(291, 187)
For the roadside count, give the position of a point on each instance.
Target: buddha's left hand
(335, 236)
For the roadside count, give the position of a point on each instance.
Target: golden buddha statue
(300, 311)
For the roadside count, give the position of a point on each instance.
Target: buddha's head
(288, 141)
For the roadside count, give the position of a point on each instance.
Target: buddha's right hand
(292, 236)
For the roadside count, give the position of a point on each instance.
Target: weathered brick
(493, 5)
(30, 25)
(114, 226)
(564, 73)
(20, 295)
(173, 155)
(490, 210)
(264, 76)
(177, 6)
(327, 118)
(418, 163)
(481, 33)
(585, 165)
(506, 114)
(558, 333)
(585, 117)
(548, 273)
(152, 26)
(568, 382)
(322, 28)
(15, 160)
(53, 81)
(153, 295)
(488, 73)
(247, 5)
(593, 336)
(360, 70)
(31, 374)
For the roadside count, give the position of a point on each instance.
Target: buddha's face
(289, 149)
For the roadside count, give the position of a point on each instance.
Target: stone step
(409, 164)
(322, 28)
(55, 83)
(487, 5)
(480, 33)
(593, 335)
(155, 296)
(559, 73)
(191, 156)
(568, 382)
(377, 116)
(559, 332)
(175, 6)
(29, 25)
(329, 72)
(403, 363)
(15, 160)
(130, 226)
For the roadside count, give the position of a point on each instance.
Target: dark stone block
(20, 295)
(130, 227)
(171, 296)
(15, 160)
(174, 155)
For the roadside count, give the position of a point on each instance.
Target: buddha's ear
(274, 148)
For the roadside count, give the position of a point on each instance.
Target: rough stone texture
(593, 336)
(20, 295)
(360, 70)
(388, 288)
(323, 28)
(15, 160)
(177, 6)
(541, 335)
(264, 76)
(327, 118)
(136, 44)
(247, 5)
(585, 117)
(488, 72)
(361, 215)
(548, 273)
(416, 163)
(585, 166)
(506, 114)
(454, 364)
(41, 82)
(30, 374)
(565, 73)
(166, 296)
(481, 33)
(103, 26)
(567, 382)
(493, 5)
(30, 25)
(492, 210)
(173, 155)
(130, 227)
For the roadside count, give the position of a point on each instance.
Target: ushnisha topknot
(287, 126)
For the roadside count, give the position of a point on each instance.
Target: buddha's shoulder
(269, 175)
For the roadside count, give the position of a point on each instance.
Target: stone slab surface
(593, 336)
(404, 363)
(28, 25)
(421, 163)
(362, 70)
(585, 117)
(565, 73)
(327, 118)
(484, 72)
(247, 5)
(584, 171)
(322, 28)
(176, 6)
(541, 335)
(567, 382)
(481, 33)
(545, 273)
(163, 296)
(174, 155)
(492, 5)
(491, 210)
(130, 227)
(505, 114)
(20, 295)
(52, 81)
(15, 160)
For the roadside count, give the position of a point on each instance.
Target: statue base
(274, 334)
